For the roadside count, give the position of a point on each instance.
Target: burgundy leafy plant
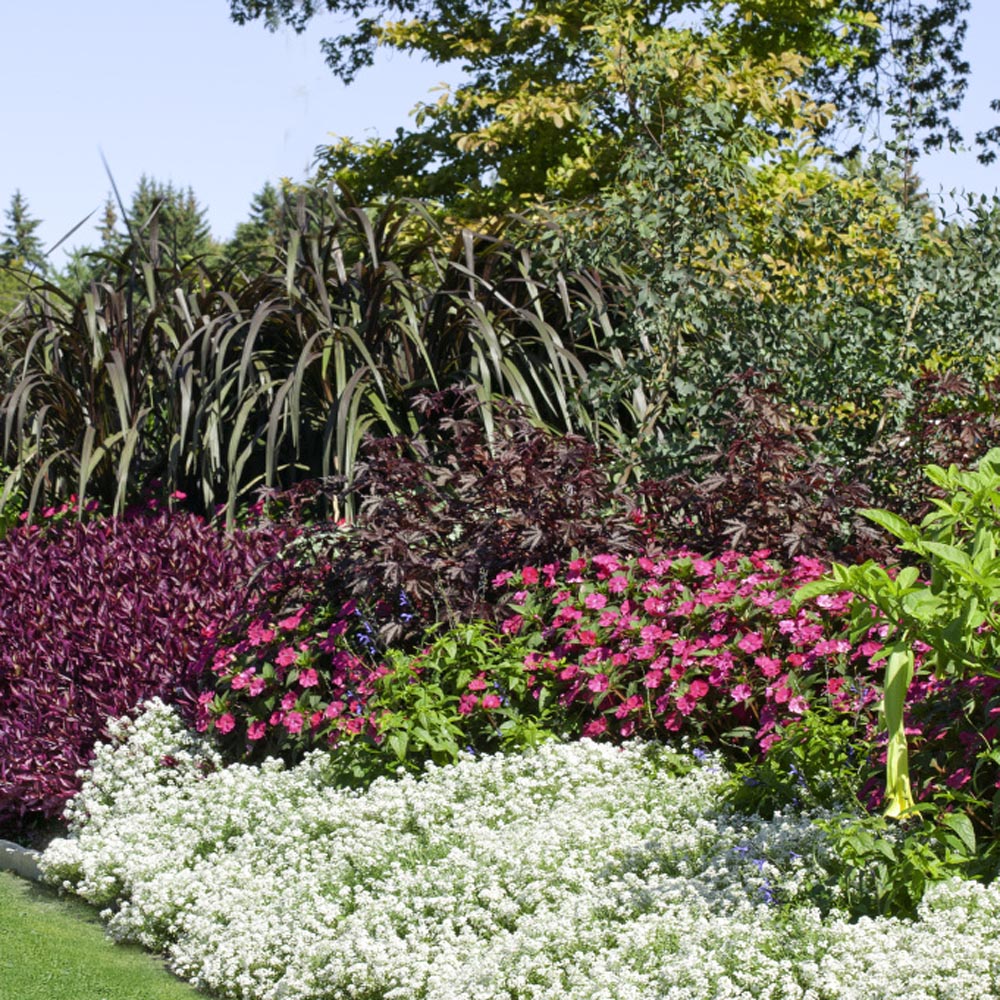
(95, 617)
(440, 513)
(763, 486)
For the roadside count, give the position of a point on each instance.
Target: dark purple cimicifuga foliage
(441, 514)
(96, 617)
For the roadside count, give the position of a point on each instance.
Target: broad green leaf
(892, 523)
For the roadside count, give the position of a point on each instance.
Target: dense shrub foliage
(95, 617)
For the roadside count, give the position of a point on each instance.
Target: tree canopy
(550, 102)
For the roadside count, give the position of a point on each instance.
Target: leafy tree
(20, 241)
(544, 113)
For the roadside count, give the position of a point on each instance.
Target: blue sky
(174, 89)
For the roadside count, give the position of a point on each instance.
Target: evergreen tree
(167, 220)
(265, 228)
(20, 241)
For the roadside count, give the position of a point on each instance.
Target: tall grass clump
(204, 377)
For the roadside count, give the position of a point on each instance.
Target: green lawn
(54, 948)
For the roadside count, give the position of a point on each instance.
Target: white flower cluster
(575, 871)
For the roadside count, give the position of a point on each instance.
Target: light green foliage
(956, 614)
(821, 760)
(420, 699)
(887, 868)
(543, 112)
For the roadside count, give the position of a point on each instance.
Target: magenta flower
(698, 689)
(598, 683)
(769, 666)
(595, 601)
(308, 678)
(742, 692)
(491, 701)
(225, 723)
(529, 576)
(595, 728)
(293, 722)
(478, 683)
(256, 686)
(292, 621)
(627, 706)
(256, 730)
(512, 625)
(467, 704)
(829, 647)
(259, 633)
(751, 642)
(686, 704)
(287, 655)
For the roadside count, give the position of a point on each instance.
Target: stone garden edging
(20, 860)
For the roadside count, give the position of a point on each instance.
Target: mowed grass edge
(53, 947)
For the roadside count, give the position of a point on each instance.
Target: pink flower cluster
(681, 643)
(290, 680)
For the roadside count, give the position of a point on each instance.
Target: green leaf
(962, 825)
(892, 523)
(949, 554)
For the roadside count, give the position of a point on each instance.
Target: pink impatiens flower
(595, 601)
(287, 655)
(598, 683)
(769, 666)
(308, 678)
(467, 704)
(259, 633)
(292, 621)
(225, 723)
(698, 689)
(751, 642)
(491, 701)
(741, 692)
(256, 730)
(293, 722)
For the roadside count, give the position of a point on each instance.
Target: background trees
(546, 110)
(20, 243)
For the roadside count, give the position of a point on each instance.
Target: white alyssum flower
(579, 871)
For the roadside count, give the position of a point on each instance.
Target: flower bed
(577, 870)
